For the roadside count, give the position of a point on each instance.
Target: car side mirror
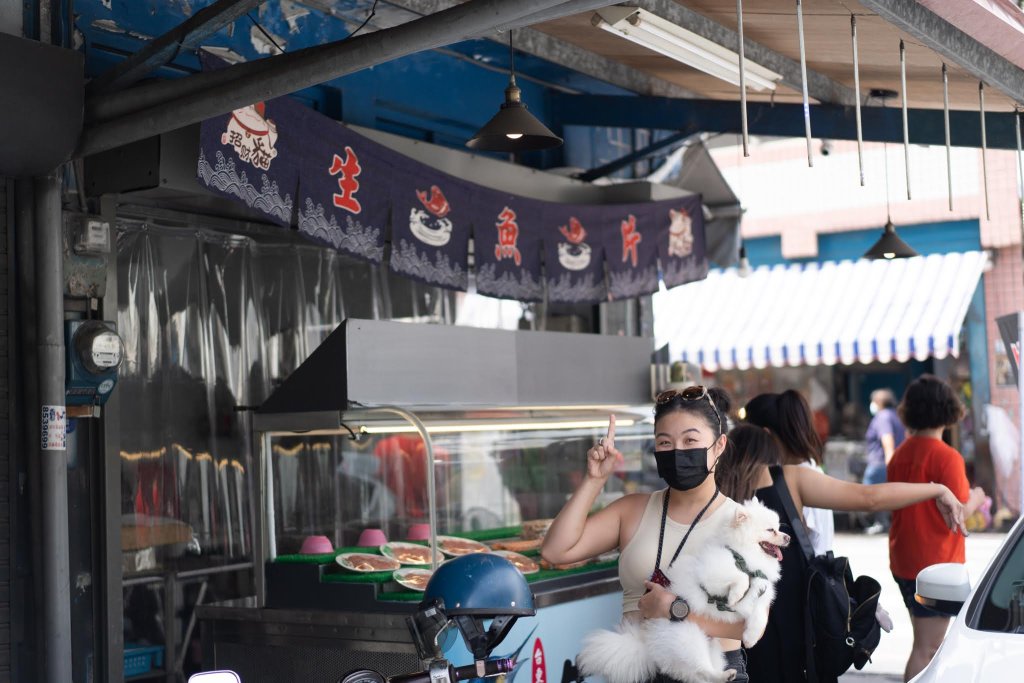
(944, 587)
(215, 677)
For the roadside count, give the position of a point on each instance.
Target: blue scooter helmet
(475, 587)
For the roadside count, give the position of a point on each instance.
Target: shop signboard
(683, 246)
(306, 171)
(345, 191)
(506, 235)
(574, 253)
(631, 247)
(431, 213)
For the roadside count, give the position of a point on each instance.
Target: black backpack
(840, 627)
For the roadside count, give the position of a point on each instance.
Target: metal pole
(53, 455)
(428, 454)
(212, 93)
(24, 231)
(743, 79)
(945, 118)
(1020, 176)
(856, 89)
(906, 128)
(984, 144)
(803, 78)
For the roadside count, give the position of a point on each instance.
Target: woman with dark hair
(788, 417)
(750, 469)
(652, 530)
(917, 538)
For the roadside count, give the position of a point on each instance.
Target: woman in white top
(652, 529)
(788, 417)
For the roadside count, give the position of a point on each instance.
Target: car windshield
(1002, 606)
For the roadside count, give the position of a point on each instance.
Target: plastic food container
(316, 545)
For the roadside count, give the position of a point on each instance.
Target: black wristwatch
(678, 610)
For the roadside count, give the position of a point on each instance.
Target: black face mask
(683, 469)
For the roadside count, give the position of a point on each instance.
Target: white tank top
(636, 560)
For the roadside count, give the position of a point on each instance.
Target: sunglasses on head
(691, 393)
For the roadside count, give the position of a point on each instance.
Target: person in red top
(919, 537)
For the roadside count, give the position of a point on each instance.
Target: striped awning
(821, 313)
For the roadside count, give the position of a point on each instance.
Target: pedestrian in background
(788, 418)
(919, 537)
(884, 434)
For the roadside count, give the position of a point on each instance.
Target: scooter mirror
(215, 677)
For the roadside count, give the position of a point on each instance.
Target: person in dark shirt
(885, 433)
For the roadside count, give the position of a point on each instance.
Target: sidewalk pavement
(870, 555)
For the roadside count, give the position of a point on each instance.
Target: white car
(986, 640)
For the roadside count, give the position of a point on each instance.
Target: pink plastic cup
(316, 545)
(371, 538)
(418, 532)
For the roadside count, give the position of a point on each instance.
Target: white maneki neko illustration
(252, 135)
(574, 254)
(680, 233)
(430, 224)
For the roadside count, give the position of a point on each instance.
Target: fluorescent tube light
(651, 31)
(511, 426)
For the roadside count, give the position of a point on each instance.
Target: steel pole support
(49, 271)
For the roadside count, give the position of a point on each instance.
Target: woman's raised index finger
(611, 431)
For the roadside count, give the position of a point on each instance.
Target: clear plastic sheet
(212, 322)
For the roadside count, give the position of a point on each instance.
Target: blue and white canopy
(821, 313)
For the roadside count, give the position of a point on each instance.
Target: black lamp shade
(513, 129)
(890, 246)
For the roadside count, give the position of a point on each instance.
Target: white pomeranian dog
(730, 579)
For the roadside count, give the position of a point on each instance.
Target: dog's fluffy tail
(619, 656)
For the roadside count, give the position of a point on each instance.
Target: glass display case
(493, 469)
(498, 477)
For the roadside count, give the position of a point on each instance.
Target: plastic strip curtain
(213, 321)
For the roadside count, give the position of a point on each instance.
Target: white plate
(408, 577)
(524, 564)
(470, 546)
(360, 562)
(409, 553)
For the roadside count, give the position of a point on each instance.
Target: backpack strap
(795, 520)
(796, 523)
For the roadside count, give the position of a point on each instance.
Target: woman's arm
(655, 603)
(574, 535)
(815, 489)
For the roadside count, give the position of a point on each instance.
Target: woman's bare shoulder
(632, 502)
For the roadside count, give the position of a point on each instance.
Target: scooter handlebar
(483, 669)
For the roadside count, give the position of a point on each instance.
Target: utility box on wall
(94, 354)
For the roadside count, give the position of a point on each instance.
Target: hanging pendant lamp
(513, 128)
(889, 245)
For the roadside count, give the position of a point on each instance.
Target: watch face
(679, 609)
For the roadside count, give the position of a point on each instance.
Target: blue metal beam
(783, 120)
(164, 49)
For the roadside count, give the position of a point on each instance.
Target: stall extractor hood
(374, 363)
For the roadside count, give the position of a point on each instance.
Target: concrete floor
(870, 555)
